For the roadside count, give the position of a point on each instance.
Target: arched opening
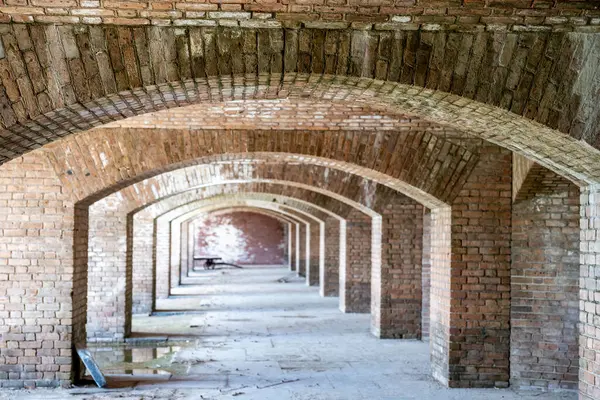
(465, 177)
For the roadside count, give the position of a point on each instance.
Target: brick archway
(83, 174)
(78, 74)
(109, 223)
(145, 246)
(472, 121)
(185, 200)
(314, 221)
(288, 205)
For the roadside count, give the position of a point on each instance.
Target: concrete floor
(247, 335)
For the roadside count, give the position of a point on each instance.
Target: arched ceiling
(343, 186)
(189, 201)
(58, 80)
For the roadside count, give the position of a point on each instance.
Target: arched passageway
(448, 214)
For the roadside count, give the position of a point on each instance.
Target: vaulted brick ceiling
(57, 80)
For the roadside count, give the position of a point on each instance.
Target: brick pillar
(426, 275)
(161, 258)
(143, 271)
(479, 326)
(589, 292)
(545, 282)
(191, 241)
(286, 240)
(316, 254)
(109, 278)
(355, 275)
(293, 249)
(396, 282)
(175, 252)
(335, 236)
(304, 249)
(38, 315)
(185, 251)
(439, 329)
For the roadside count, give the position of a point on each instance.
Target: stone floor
(247, 334)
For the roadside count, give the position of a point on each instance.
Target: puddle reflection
(151, 359)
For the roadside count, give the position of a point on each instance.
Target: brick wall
(253, 238)
(175, 258)
(314, 13)
(545, 282)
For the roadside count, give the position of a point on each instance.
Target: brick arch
(185, 185)
(104, 217)
(69, 75)
(201, 207)
(295, 208)
(345, 186)
(174, 148)
(579, 162)
(291, 206)
(143, 261)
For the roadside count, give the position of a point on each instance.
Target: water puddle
(140, 359)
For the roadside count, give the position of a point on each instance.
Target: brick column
(191, 243)
(317, 236)
(439, 329)
(335, 237)
(478, 306)
(589, 292)
(545, 282)
(287, 227)
(185, 253)
(109, 278)
(175, 248)
(293, 244)
(162, 258)
(396, 282)
(40, 319)
(426, 275)
(355, 275)
(143, 271)
(304, 249)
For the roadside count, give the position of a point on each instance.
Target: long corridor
(261, 333)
